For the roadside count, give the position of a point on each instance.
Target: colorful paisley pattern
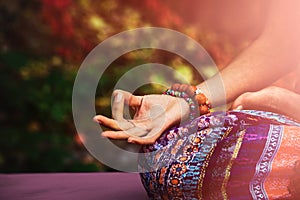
(216, 156)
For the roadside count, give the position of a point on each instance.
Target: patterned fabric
(234, 155)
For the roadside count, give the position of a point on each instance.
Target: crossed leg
(273, 99)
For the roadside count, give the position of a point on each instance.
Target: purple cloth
(73, 186)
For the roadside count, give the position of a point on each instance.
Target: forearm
(258, 66)
(273, 54)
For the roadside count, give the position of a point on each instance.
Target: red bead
(201, 99)
(203, 109)
(194, 88)
(190, 91)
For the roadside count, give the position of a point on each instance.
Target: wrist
(184, 108)
(194, 97)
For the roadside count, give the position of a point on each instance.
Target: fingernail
(103, 136)
(97, 120)
(131, 141)
(118, 97)
(240, 107)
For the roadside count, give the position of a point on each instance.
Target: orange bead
(194, 88)
(201, 99)
(190, 91)
(203, 109)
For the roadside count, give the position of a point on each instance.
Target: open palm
(153, 114)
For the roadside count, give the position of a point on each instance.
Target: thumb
(240, 103)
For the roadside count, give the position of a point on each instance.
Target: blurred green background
(42, 44)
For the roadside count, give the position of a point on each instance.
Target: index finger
(113, 124)
(130, 99)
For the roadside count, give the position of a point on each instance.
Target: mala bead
(184, 95)
(192, 107)
(187, 98)
(172, 92)
(194, 88)
(190, 91)
(177, 94)
(201, 99)
(203, 109)
(193, 96)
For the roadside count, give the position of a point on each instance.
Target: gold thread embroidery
(229, 166)
(203, 169)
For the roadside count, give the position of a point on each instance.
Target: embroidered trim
(270, 115)
(264, 165)
(206, 162)
(229, 166)
(203, 170)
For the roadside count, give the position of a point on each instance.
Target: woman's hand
(153, 114)
(272, 99)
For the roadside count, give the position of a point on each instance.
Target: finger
(113, 124)
(118, 106)
(241, 102)
(151, 137)
(240, 107)
(117, 135)
(105, 121)
(135, 132)
(131, 99)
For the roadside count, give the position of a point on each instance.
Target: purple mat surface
(72, 186)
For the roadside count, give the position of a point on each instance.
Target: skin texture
(246, 79)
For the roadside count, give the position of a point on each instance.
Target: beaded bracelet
(187, 98)
(191, 94)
